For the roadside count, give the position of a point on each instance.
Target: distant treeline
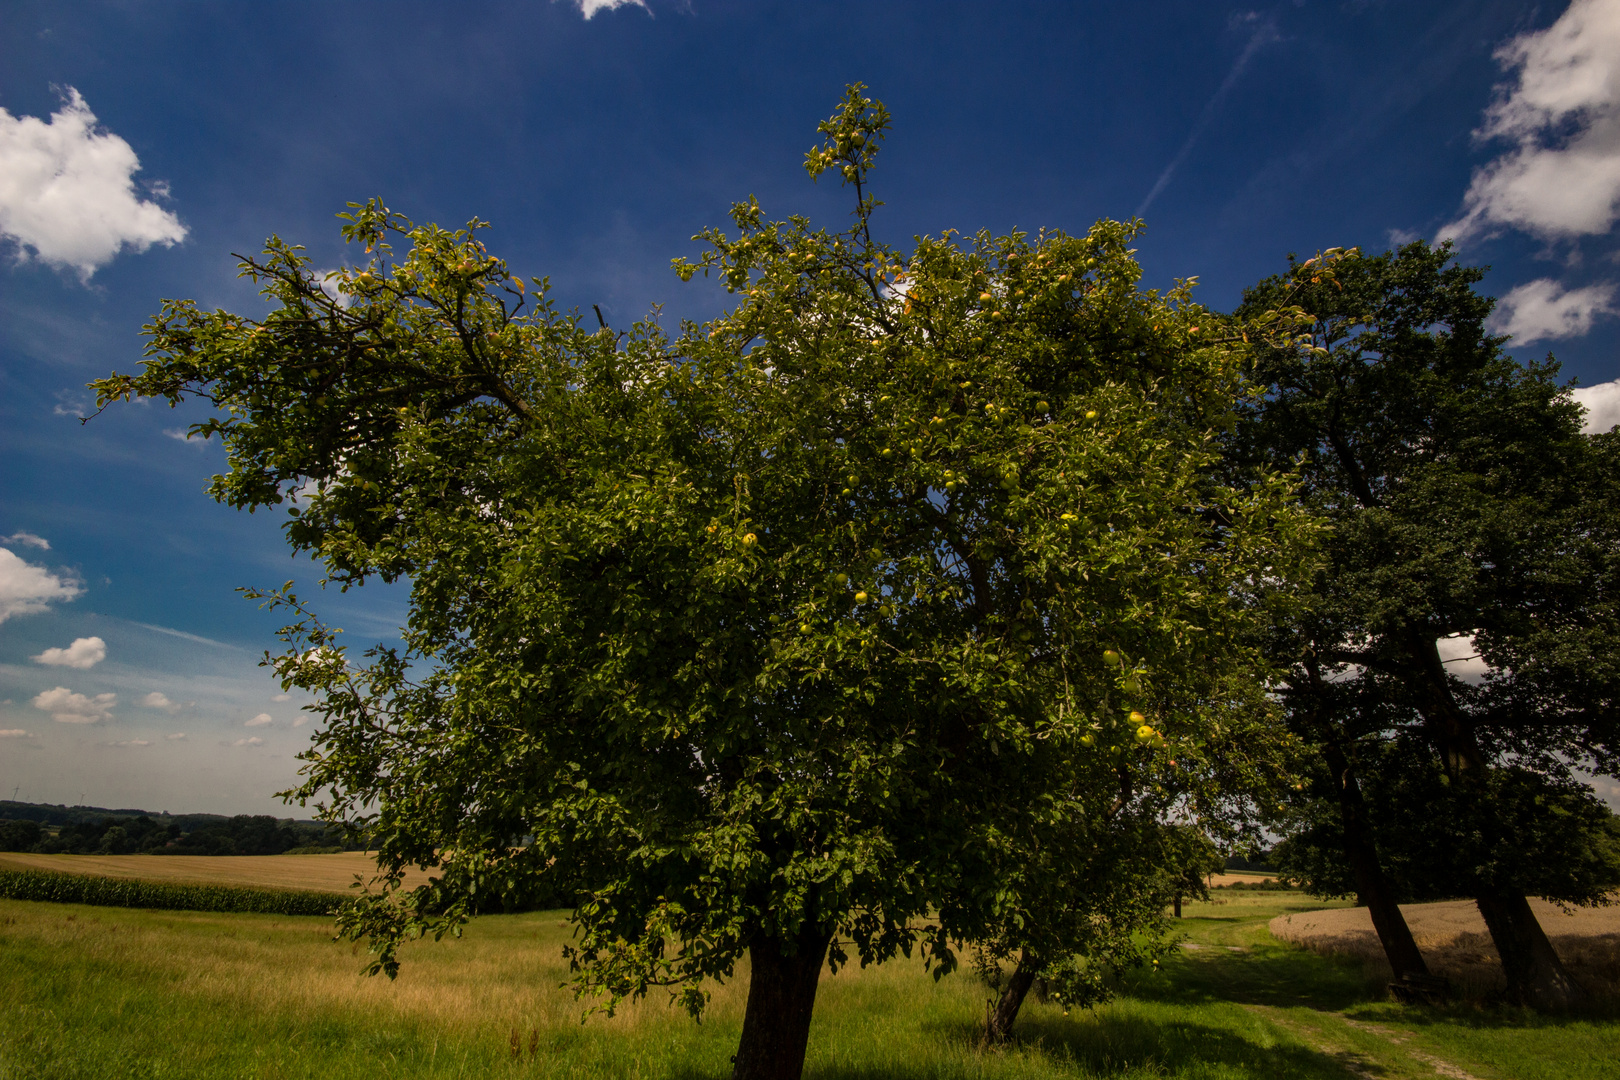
(1258, 863)
(91, 830)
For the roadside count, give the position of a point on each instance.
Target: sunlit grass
(102, 992)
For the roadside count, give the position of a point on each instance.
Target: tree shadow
(1279, 976)
(1113, 1045)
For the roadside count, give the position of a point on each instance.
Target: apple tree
(779, 637)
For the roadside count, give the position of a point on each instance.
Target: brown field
(322, 873)
(1231, 877)
(1456, 944)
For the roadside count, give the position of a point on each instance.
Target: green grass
(109, 992)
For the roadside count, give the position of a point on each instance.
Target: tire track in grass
(1355, 1061)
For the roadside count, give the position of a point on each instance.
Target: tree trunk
(1178, 905)
(999, 1026)
(1405, 959)
(781, 997)
(1535, 976)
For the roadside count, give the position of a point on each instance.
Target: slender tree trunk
(999, 1026)
(1372, 884)
(1535, 975)
(781, 998)
(1178, 905)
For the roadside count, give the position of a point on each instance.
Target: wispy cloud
(67, 191)
(262, 720)
(188, 637)
(27, 539)
(84, 653)
(1561, 117)
(1264, 33)
(1543, 310)
(13, 733)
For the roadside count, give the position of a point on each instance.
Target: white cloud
(1542, 309)
(66, 707)
(588, 8)
(26, 589)
(132, 742)
(156, 700)
(67, 191)
(27, 539)
(1562, 176)
(254, 741)
(13, 733)
(281, 697)
(1602, 405)
(175, 735)
(301, 721)
(85, 652)
(262, 720)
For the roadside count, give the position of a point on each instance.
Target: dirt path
(1379, 1055)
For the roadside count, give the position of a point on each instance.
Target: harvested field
(322, 873)
(1457, 945)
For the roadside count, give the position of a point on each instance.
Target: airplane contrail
(1264, 34)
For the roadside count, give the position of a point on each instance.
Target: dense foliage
(849, 623)
(1468, 509)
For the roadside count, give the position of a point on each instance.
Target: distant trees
(1468, 508)
(241, 835)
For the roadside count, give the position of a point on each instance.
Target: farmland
(96, 992)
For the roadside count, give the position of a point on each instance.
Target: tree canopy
(1467, 507)
(781, 635)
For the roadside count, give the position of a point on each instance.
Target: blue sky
(597, 146)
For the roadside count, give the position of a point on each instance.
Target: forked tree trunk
(1372, 885)
(781, 998)
(999, 1026)
(1535, 976)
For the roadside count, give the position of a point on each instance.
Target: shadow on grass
(1273, 975)
(1111, 1046)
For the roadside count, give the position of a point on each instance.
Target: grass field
(102, 992)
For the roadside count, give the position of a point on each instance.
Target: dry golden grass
(1456, 943)
(321, 873)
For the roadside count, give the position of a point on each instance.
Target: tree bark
(1535, 976)
(999, 1026)
(781, 998)
(1178, 905)
(1372, 884)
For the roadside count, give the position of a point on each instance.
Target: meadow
(109, 992)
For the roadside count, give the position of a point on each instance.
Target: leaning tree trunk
(999, 1026)
(1372, 885)
(1535, 975)
(781, 997)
